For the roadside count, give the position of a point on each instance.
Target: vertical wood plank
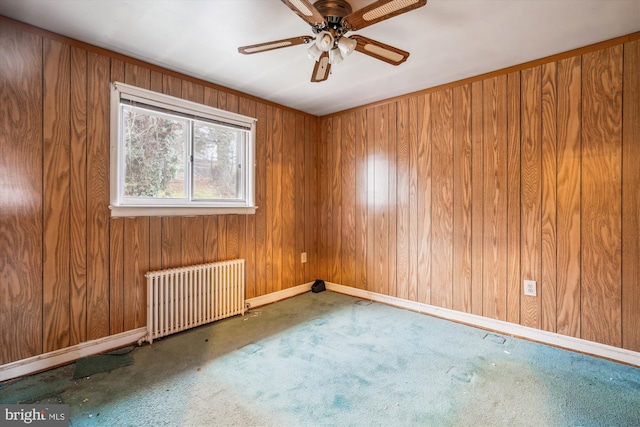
(336, 201)
(233, 103)
(171, 241)
(494, 293)
(372, 243)
(289, 255)
(233, 236)
(136, 264)
(531, 191)
(222, 100)
(192, 244)
(211, 97)
(312, 193)
(442, 203)
(513, 198)
(300, 147)
(381, 197)
(261, 197)
(117, 70)
(568, 194)
(97, 196)
(348, 189)
(631, 198)
(116, 276)
(391, 205)
(156, 81)
(78, 191)
(601, 195)
(116, 240)
(21, 196)
(221, 239)
(210, 238)
(326, 177)
(403, 249)
(248, 108)
(269, 200)
(137, 75)
(477, 196)
(192, 91)
(56, 128)
(423, 201)
(415, 132)
(171, 85)
(462, 213)
(322, 200)
(276, 202)
(155, 243)
(361, 198)
(548, 283)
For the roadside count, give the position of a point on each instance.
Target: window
(174, 157)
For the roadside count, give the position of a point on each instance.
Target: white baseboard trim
(279, 295)
(66, 355)
(532, 334)
(63, 356)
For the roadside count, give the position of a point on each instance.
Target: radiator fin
(186, 297)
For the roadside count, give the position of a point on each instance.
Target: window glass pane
(155, 153)
(217, 162)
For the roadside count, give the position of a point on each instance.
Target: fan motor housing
(333, 11)
(336, 9)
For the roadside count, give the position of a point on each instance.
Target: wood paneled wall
(68, 271)
(450, 197)
(453, 197)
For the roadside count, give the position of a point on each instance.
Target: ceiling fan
(330, 21)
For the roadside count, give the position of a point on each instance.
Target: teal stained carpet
(328, 359)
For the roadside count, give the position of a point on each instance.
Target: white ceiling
(448, 40)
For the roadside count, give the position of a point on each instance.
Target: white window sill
(134, 211)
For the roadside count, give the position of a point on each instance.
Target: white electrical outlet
(303, 257)
(530, 288)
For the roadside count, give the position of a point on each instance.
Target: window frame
(121, 207)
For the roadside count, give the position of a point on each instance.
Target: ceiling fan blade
(381, 51)
(321, 69)
(277, 44)
(379, 11)
(306, 11)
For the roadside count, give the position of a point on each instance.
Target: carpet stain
(352, 379)
(340, 402)
(460, 375)
(402, 362)
(498, 339)
(91, 365)
(363, 302)
(251, 348)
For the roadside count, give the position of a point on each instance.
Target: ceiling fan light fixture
(346, 46)
(314, 52)
(335, 56)
(324, 41)
(330, 20)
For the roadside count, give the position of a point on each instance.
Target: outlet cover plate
(530, 288)
(303, 257)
